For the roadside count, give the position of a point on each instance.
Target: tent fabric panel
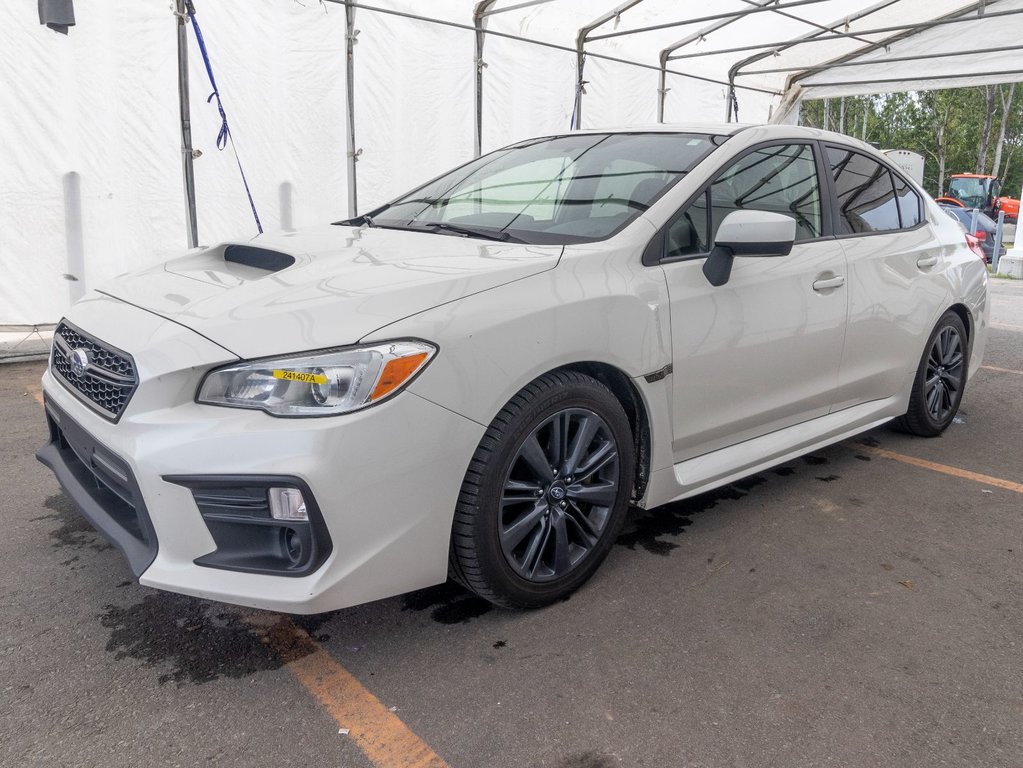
(527, 91)
(413, 103)
(280, 71)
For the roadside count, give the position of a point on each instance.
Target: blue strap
(224, 136)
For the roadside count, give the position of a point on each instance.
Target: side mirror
(748, 233)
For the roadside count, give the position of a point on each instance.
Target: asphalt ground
(849, 608)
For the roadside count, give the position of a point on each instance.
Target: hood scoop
(260, 258)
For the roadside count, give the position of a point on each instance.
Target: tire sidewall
(583, 393)
(919, 399)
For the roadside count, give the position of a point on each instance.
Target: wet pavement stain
(313, 623)
(450, 603)
(646, 528)
(861, 457)
(828, 478)
(75, 530)
(587, 760)
(870, 442)
(815, 461)
(187, 640)
(784, 471)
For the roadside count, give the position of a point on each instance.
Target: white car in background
(480, 377)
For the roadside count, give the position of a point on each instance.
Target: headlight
(318, 384)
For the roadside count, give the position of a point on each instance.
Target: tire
(940, 379)
(523, 540)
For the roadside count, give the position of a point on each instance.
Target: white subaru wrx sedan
(478, 378)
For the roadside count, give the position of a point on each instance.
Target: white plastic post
(74, 241)
(1012, 262)
(284, 194)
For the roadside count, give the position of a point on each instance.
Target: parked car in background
(480, 377)
(985, 231)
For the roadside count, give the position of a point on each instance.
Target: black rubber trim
(236, 549)
(100, 501)
(261, 258)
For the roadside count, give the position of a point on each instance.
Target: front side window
(865, 192)
(563, 189)
(780, 179)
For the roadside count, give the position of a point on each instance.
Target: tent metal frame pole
(352, 153)
(541, 44)
(185, 116)
(516, 7)
(662, 57)
(962, 15)
(904, 78)
(735, 69)
(478, 14)
(785, 44)
(891, 60)
(580, 55)
(712, 17)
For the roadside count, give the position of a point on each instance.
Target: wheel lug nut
(563, 504)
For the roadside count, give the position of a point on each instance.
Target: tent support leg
(352, 153)
(662, 91)
(477, 22)
(187, 168)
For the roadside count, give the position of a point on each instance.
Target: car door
(761, 352)
(895, 284)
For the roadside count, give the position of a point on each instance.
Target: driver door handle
(828, 283)
(927, 261)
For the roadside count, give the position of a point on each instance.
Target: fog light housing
(288, 504)
(266, 524)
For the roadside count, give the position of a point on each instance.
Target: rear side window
(866, 193)
(909, 203)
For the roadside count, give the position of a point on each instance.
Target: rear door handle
(926, 261)
(829, 282)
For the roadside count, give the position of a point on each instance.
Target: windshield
(557, 190)
(971, 192)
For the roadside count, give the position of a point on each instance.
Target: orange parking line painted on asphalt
(1001, 370)
(945, 469)
(376, 730)
(1007, 327)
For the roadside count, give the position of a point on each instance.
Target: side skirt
(713, 470)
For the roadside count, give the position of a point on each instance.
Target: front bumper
(386, 481)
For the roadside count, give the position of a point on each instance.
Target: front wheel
(940, 379)
(546, 493)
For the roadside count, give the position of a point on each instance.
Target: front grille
(108, 378)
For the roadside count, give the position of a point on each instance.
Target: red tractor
(975, 190)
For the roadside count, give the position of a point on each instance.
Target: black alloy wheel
(546, 493)
(940, 379)
(558, 494)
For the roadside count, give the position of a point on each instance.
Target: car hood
(324, 287)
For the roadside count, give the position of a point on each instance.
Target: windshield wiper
(444, 226)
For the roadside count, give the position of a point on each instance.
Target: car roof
(769, 131)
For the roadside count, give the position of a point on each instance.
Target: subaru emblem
(79, 361)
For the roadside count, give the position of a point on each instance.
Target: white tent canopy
(91, 167)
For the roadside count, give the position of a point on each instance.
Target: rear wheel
(546, 493)
(940, 380)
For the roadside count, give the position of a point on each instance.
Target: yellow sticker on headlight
(308, 378)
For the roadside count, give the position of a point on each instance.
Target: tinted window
(909, 203)
(866, 196)
(781, 179)
(563, 189)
